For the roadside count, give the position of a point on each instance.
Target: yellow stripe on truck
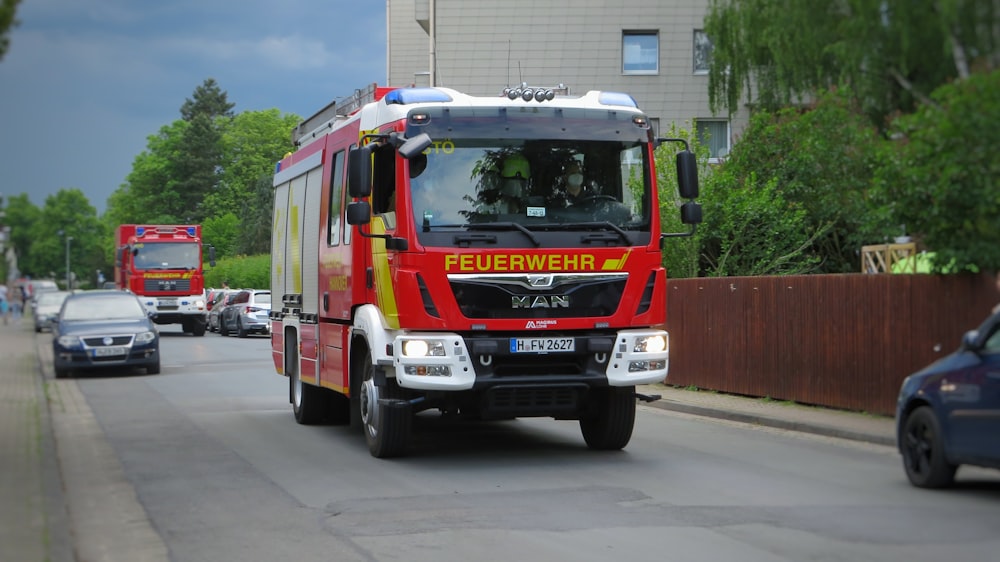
(385, 295)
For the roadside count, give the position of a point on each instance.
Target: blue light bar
(140, 230)
(190, 231)
(617, 98)
(405, 96)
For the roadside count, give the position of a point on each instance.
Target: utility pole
(69, 286)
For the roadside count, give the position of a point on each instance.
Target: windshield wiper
(505, 226)
(596, 225)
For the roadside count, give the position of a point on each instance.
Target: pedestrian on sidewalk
(4, 305)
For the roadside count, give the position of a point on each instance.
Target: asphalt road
(224, 473)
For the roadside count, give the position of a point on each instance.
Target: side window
(343, 218)
(992, 343)
(702, 52)
(714, 133)
(336, 199)
(640, 52)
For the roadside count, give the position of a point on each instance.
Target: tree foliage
(890, 54)
(8, 20)
(941, 176)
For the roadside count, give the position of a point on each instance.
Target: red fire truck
(162, 264)
(431, 253)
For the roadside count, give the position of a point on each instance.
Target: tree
(822, 162)
(890, 54)
(68, 213)
(8, 20)
(251, 145)
(939, 176)
(200, 152)
(21, 215)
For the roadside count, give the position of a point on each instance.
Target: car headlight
(650, 344)
(423, 348)
(69, 342)
(145, 337)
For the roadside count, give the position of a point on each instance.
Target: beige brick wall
(483, 45)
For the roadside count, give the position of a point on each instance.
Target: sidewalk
(855, 426)
(57, 470)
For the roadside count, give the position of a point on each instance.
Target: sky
(84, 83)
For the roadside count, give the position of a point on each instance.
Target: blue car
(104, 329)
(948, 414)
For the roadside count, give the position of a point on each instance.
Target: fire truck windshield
(166, 255)
(533, 183)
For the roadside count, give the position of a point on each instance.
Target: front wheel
(609, 425)
(387, 427)
(923, 451)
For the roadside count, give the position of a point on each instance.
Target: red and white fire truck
(162, 264)
(431, 253)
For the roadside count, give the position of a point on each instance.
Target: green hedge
(245, 272)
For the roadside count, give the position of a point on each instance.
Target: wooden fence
(843, 341)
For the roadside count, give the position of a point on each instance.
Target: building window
(640, 52)
(702, 52)
(714, 133)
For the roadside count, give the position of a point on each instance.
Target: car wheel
(153, 368)
(61, 373)
(923, 451)
(240, 330)
(198, 328)
(223, 330)
(387, 427)
(609, 425)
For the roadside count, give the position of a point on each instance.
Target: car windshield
(87, 307)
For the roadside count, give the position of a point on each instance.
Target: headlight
(650, 344)
(69, 342)
(145, 337)
(423, 348)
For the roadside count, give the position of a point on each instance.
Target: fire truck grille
(167, 285)
(483, 299)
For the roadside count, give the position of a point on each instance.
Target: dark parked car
(248, 312)
(102, 329)
(948, 414)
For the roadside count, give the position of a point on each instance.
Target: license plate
(166, 302)
(541, 345)
(110, 351)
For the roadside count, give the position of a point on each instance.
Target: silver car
(47, 308)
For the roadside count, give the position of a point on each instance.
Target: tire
(923, 451)
(223, 330)
(609, 425)
(387, 428)
(308, 401)
(240, 330)
(61, 373)
(153, 368)
(198, 328)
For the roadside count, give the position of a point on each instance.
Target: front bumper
(483, 362)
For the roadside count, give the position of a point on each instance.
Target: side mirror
(359, 171)
(691, 213)
(687, 175)
(359, 212)
(969, 340)
(211, 256)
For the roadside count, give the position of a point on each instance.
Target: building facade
(654, 50)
